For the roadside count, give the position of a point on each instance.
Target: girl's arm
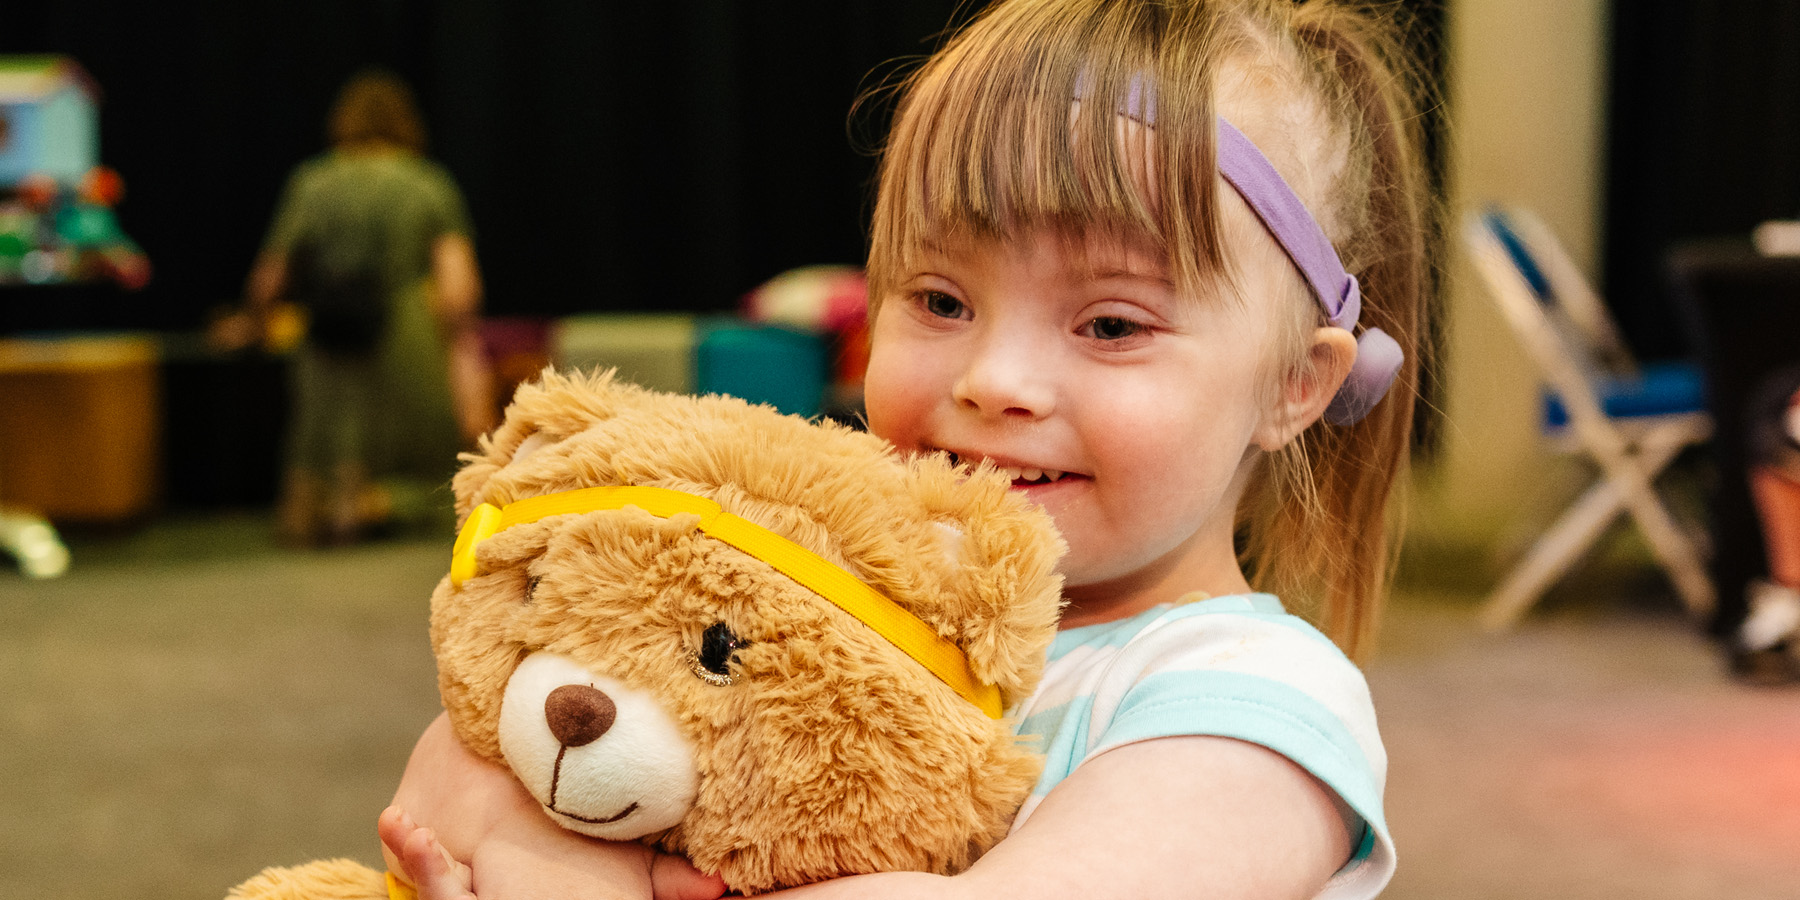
(1173, 817)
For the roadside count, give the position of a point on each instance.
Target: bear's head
(771, 645)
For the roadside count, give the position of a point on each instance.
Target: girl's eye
(1114, 328)
(718, 647)
(943, 305)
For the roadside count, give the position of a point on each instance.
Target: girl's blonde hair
(988, 140)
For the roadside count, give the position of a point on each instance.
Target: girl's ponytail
(1334, 532)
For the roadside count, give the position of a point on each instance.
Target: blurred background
(629, 156)
(1570, 703)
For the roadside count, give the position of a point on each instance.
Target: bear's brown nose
(578, 714)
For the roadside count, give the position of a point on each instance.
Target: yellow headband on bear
(813, 572)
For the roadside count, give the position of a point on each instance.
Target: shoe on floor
(1773, 666)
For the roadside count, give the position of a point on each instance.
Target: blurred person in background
(371, 245)
(1763, 645)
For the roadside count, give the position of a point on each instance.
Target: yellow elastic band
(400, 890)
(813, 572)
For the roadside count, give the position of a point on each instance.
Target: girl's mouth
(1023, 476)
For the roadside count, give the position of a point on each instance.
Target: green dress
(387, 414)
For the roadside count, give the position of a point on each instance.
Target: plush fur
(830, 752)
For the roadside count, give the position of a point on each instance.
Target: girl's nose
(1007, 377)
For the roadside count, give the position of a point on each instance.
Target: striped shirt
(1238, 667)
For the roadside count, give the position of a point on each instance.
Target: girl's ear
(1307, 390)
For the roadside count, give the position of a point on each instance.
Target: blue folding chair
(1631, 421)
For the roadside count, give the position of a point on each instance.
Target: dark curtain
(1704, 141)
(616, 156)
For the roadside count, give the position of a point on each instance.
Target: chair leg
(1552, 555)
(1624, 485)
(1673, 548)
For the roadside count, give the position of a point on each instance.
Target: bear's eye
(718, 646)
(531, 586)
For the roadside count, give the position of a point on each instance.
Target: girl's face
(1129, 411)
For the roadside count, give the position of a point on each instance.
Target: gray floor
(1582, 756)
(191, 704)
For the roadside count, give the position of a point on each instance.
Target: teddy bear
(774, 646)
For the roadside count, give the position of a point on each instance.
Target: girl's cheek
(905, 378)
(892, 420)
(880, 402)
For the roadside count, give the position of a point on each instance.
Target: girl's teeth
(1030, 475)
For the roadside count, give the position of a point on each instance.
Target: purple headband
(1249, 172)
(1378, 355)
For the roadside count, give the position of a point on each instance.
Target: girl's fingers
(674, 878)
(438, 875)
(432, 871)
(394, 827)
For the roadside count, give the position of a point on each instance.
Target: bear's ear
(542, 412)
(1003, 595)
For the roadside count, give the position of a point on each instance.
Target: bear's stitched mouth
(606, 821)
(556, 780)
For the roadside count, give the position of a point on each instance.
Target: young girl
(1111, 252)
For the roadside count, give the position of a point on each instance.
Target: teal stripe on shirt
(1063, 747)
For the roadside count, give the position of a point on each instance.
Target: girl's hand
(579, 868)
(488, 837)
(414, 854)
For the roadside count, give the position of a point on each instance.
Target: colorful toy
(831, 300)
(770, 645)
(49, 119)
(102, 186)
(52, 233)
(59, 225)
(38, 192)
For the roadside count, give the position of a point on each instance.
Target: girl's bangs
(1042, 120)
